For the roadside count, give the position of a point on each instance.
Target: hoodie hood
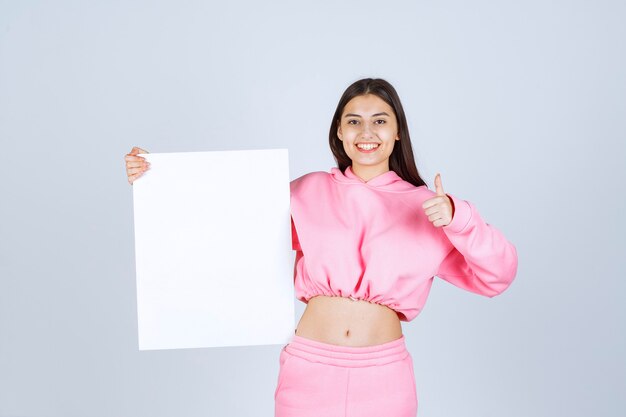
(387, 181)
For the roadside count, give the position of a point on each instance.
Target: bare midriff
(347, 322)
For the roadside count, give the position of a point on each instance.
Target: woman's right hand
(135, 165)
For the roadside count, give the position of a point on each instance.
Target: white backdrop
(519, 105)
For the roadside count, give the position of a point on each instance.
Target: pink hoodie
(372, 241)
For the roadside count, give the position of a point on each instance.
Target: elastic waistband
(350, 356)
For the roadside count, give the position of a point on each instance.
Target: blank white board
(213, 252)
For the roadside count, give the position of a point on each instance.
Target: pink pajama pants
(318, 379)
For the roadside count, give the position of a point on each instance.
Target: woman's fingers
(137, 150)
(132, 178)
(139, 170)
(135, 173)
(130, 158)
(135, 165)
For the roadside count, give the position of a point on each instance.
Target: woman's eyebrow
(373, 115)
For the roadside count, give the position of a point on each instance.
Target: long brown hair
(401, 159)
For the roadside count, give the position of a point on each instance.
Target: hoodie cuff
(462, 215)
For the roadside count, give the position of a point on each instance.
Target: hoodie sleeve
(482, 260)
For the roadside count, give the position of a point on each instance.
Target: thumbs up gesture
(439, 208)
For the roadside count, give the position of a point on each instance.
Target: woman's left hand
(439, 209)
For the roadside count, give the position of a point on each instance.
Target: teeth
(368, 146)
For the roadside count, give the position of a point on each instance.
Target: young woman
(369, 238)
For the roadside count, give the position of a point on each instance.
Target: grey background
(519, 105)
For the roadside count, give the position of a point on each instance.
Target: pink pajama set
(372, 241)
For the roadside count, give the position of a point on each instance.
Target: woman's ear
(339, 134)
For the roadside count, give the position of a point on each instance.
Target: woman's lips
(368, 150)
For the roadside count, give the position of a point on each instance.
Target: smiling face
(368, 120)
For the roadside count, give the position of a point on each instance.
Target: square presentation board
(214, 263)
